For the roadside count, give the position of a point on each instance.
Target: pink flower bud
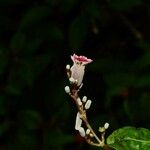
(77, 70)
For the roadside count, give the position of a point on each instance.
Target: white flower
(77, 70)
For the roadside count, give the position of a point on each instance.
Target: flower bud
(82, 131)
(78, 121)
(68, 67)
(79, 101)
(67, 89)
(84, 99)
(88, 131)
(88, 104)
(106, 125)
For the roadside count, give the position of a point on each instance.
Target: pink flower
(77, 70)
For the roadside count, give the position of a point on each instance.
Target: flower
(77, 70)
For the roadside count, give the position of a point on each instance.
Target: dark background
(36, 40)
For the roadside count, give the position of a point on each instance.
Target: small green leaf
(130, 138)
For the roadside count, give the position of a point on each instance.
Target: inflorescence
(75, 76)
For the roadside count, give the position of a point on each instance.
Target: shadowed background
(36, 40)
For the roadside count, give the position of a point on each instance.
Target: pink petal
(82, 59)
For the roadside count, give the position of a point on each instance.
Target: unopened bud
(84, 99)
(106, 125)
(82, 131)
(79, 101)
(68, 67)
(88, 131)
(88, 104)
(78, 121)
(67, 89)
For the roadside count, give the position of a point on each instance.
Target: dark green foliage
(36, 40)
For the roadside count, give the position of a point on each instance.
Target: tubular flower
(77, 70)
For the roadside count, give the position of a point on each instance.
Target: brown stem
(85, 120)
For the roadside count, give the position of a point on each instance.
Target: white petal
(77, 73)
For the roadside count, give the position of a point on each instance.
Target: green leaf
(78, 31)
(123, 4)
(34, 16)
(130, 138)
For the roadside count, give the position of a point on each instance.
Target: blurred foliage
(36, 40)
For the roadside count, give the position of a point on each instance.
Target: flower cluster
(75, 75)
